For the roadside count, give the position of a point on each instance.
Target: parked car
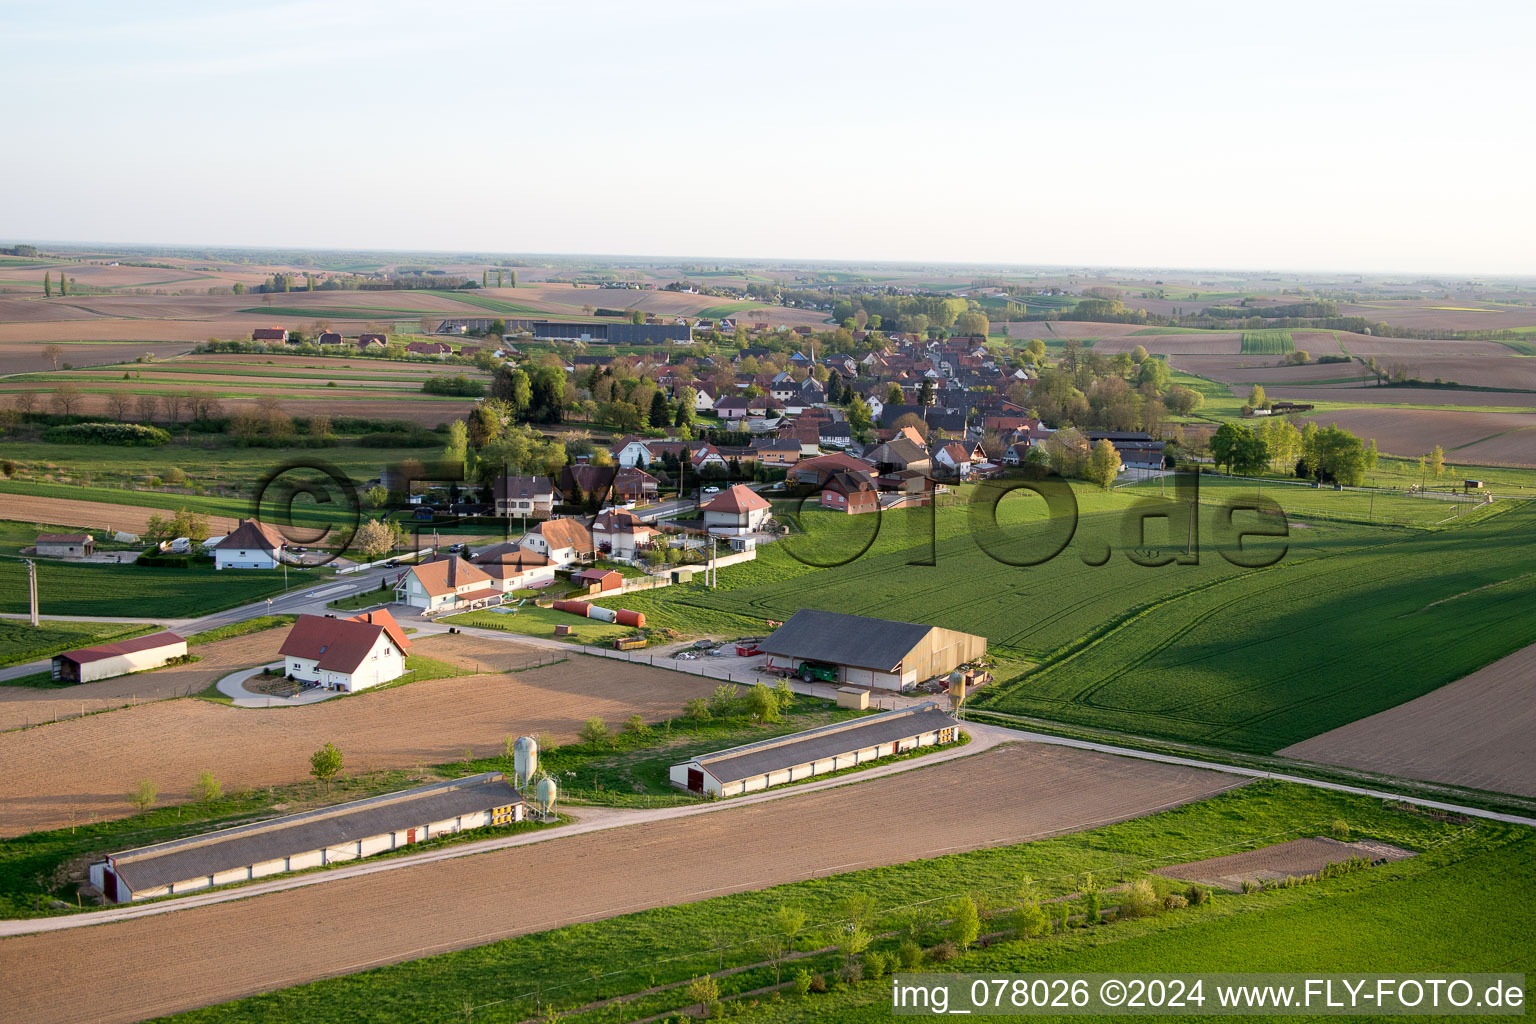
(710, 490)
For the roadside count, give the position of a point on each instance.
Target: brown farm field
(28, 357)
(1479, 732)
(1263, 369)
(1444, 315)
(1173, 344)
(21, 706)
(1373, 395)
(169, 962)
(92, 515)
(1291, 858)
(1412, 432)
(1048, 330)
(85, 765)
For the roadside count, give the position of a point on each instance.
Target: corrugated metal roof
(201, 856)
(845, 639)
(756, 759)
(85, 655)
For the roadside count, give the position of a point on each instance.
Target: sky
(1349, 135)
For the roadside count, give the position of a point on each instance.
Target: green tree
(686, 399)
(762, 704)
(724, 702)
(696, 710)
(63, 284)
(48, 285)
(594, 732)
(925, 392)
(778, 939)
(143, 795)
(1436, 461)
(894, 395)
(376, 496)
(1104, 463)
(373, 540)
(1257, 399)
(658, 414)
(973, 323)
(964, 923)
(705, 991)
(208, 789)
(1154, 375)
(860, 420)
(325, 764)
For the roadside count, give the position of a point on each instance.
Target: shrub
(874, 965)
(909, 955)
(1340, 828)
(1173, 901)
(1140, 900)
(852, 972)
(1196, 895)
(594, 733)
(818, 983)
(802, 981)
(129, 434)
(705, 990)
(943, 952)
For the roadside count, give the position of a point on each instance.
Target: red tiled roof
(63, 538)
(565, 533)
(335, 645)
(447, 575)
(736, 498)
(381, 617)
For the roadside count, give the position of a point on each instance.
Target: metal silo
(525, 760)
(544, 796)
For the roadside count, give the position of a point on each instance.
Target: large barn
(878, 653)
(800, 755)
(329, 835)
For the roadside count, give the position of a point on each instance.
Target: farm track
(76, 769)
(161, 964)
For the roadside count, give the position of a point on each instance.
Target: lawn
(128, 590)
(15, 535)
(1302, 501)
(1267, 343)
(19, 642)
(1257, 660)
(1485, 876)
(533, 621)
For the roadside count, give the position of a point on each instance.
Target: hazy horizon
(1331, 138)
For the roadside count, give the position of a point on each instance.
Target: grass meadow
(129, 590)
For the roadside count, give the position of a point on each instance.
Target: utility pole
(32, 590)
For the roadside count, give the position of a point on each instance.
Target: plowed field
(93, 515)
(86, 765)
(172, 962)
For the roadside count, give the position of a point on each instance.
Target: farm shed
(800, 755)
(603, 579)
(65, 545)
(878, 653)
(328, 835)
(118, 658)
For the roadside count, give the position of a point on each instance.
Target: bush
(594, 732)
(818, 983)
(134, 435)
(943, 952)
(909, 955)
(802, 982)
(874, 965)
(455, 385)
(1140, 900)
(1173, 901)
(1196, 895)
(1339, 828)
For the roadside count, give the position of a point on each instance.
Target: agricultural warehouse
(829, 748)
(878, 653)
(118, 658)
(329, 835)
(65, 545)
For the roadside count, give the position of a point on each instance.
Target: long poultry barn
(328, 835)
(800, 755)
(878, 653)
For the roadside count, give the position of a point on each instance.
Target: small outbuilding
(65, 545)
(329, 835)
(878, 653)
(604, 580)
(118, 658)
(800, 755)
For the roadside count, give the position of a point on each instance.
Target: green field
(1267, 343)
(1302, 501)
(1376, 914)
(128, 590)
(19, 642)
(1258, 660)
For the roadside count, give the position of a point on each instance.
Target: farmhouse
(524, 495)
(367, 341)
(879, 653)
(252, 545)
(621, 533)
(118, 658)
(429, 348)
(446, 584)
(65, 545)
(634, 484)
(850, 491)
(737, 509)
(513, 566)
(562, 541)
(270, 334)
(345, 654)
(830, 748)
(329, 835)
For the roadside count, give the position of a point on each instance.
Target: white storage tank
(525, 760)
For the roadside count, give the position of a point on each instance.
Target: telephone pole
(32, 590)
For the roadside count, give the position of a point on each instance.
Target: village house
(621, 534)
(562, 541)
(736, 510)
(277, 334)
(251, 545)
(429, 348)
(345, 654)
(367, 341)
(635, 484)
(514, 567)
(530, 496)
(850, 491)
(446, 584)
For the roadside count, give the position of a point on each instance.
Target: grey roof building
(801, 755)
(327, 835)
(880, 653)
